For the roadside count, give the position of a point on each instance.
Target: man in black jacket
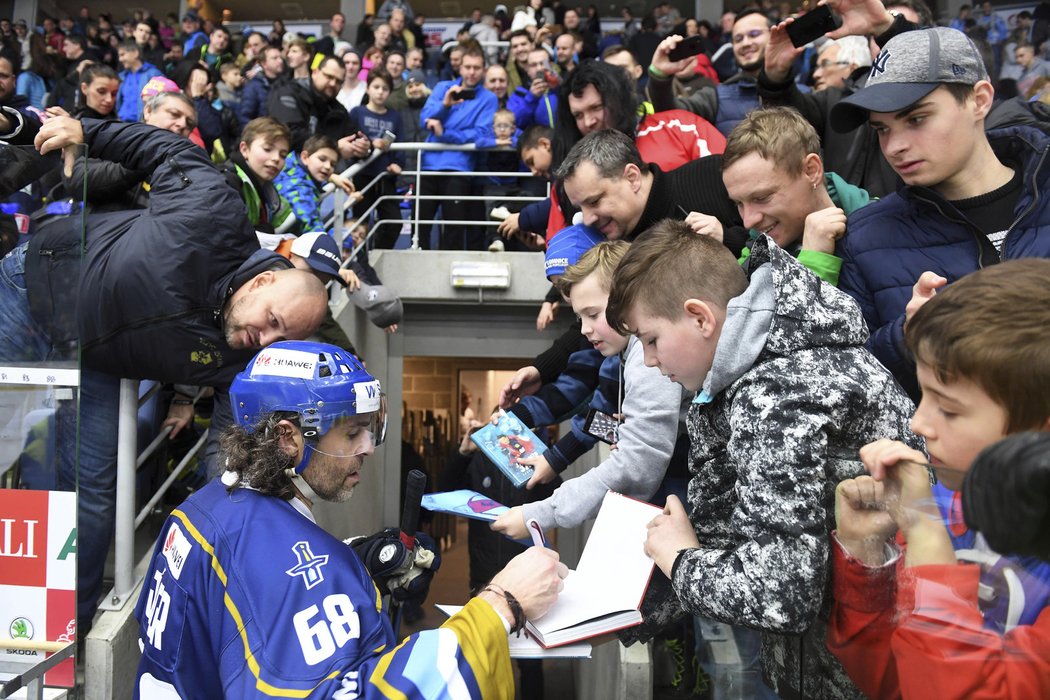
(307, 111)
(179, 292)
(18, 124)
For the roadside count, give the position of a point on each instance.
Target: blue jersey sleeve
(272, 606)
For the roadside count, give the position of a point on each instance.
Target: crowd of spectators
(803, 235)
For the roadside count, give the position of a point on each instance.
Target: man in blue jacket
(257, 90)
(133, 78)
(452, 117)
(179, 292)
(971, 198)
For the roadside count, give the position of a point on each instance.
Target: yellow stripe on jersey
(483, 643)
(378, 675)
(260, 685)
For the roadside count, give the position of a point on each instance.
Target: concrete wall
(450, 327)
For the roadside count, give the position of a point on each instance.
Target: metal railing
(343, 202)
(32, 678)
(128, 459)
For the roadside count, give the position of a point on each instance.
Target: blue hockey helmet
(321, 383)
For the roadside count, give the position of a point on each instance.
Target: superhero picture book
(505, 443)
(464, 502)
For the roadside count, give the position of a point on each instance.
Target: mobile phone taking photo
(813, 25)
(687, 48)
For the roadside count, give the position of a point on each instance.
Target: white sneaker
(500, 213)
(497, 246)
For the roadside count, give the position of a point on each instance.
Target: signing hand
(353, 282)
(668, 534)
(179, 416)
(535, 577)
(509, 226)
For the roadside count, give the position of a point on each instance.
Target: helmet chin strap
(308, 452)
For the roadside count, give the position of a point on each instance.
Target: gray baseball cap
(910, 67)
(382, 305)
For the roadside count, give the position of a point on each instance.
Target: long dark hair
(40, 62)
(257, 457)
(619, 97)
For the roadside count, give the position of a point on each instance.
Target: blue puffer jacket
(735, 100)
(129, 94)
(463, 122)
(253, 99)
(894, 240)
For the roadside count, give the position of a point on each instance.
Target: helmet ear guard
(318, 382)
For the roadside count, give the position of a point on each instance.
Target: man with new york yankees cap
(246, 596)
(970, 199)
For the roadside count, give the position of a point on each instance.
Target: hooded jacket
(893, 241)
(791, 397)
(645, 446)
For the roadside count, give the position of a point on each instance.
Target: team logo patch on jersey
(176, 549)
(309, 566)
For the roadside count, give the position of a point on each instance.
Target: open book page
(614, 569)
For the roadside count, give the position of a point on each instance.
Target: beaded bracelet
(513, 604)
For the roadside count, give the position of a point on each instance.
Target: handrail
(342, 202)
(32, 679)
(127, 521)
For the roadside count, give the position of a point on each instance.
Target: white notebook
(605, 591)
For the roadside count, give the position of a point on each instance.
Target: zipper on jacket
(978, 236)
(1030, 207)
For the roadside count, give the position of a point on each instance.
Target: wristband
(513, 604)
(654, 71)
(181, 402)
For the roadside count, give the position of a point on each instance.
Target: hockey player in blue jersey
(247, 597)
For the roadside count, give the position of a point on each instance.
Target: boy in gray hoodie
(653, 405)
(787, 396)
